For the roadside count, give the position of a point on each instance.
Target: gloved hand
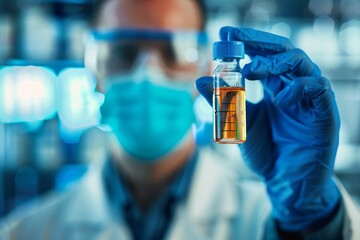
(293, 133)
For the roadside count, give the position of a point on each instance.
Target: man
(157, 184)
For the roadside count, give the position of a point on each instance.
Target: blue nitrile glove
(293, 133)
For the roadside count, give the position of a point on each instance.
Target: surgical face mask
(149, 119)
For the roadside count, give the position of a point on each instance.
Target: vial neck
(228, 63)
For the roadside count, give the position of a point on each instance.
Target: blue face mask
(148, 120)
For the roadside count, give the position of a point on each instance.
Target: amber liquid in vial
(229, 115)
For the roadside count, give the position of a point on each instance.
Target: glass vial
(229, 93)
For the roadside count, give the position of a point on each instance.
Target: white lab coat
(218, 207)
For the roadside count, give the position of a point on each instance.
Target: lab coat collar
(213, 192)
(211, 197)
(88, 213)
(89, 203)
(120, 196)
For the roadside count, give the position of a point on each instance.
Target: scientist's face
(146, 79)
(159, 15)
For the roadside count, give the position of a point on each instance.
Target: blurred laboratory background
(49, 108)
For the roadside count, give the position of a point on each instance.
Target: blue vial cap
(228, 49)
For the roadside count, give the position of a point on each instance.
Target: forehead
(158, 14)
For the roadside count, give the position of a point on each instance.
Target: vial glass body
(229, 112)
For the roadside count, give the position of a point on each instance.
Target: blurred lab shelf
(56, 65)
(351, 180)
(18, 190)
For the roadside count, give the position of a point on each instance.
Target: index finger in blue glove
(317, 89)
(256, 42)
(294, 62)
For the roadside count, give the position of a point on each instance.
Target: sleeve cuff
(332, 230)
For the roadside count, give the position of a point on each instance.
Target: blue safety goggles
(154, 34)
(177, 52)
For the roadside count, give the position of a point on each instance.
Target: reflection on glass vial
(229, 112)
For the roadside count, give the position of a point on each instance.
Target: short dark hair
(98, 4)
